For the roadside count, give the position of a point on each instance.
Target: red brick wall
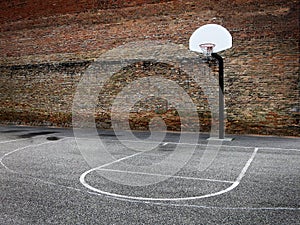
(29, 9)
(262, 69)
(26, 9)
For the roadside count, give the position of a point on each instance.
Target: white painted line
(202, 206)
(204, 145)
(234, 185)
(153, 202)
(165, 143)
(19, 149)
(169, 176)
(35, 178)
(244, 170)
(22, 148)
(118, 160)
(279, 149)
(107, 164)
(3, 142)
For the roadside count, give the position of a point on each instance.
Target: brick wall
(261, 70)
(32, 9)
(39, 94)
(28, 9)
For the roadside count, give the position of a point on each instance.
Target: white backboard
(211, 33)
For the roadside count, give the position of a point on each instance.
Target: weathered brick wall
(39, 94)
(42, 94)
(32, 9)
(26, 9)
(261, 70)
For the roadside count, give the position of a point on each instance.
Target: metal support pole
(221, 95)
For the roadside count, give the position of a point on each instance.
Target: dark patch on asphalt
(53, 138)
(13, 131)
(108, 135)
(34, 134)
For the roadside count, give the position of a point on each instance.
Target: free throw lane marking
(152, 202)
(231, 187)
(162, 175)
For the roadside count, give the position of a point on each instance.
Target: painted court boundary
(231, 187)
(162, 175)
(153, 202)
(199, 144)
(23, 148)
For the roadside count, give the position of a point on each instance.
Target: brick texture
(32, 9)
(45, 47)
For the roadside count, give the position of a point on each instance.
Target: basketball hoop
(210, 39)
(207, 48)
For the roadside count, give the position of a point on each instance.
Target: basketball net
(207, 49)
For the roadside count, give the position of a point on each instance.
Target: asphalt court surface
(45, 179)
